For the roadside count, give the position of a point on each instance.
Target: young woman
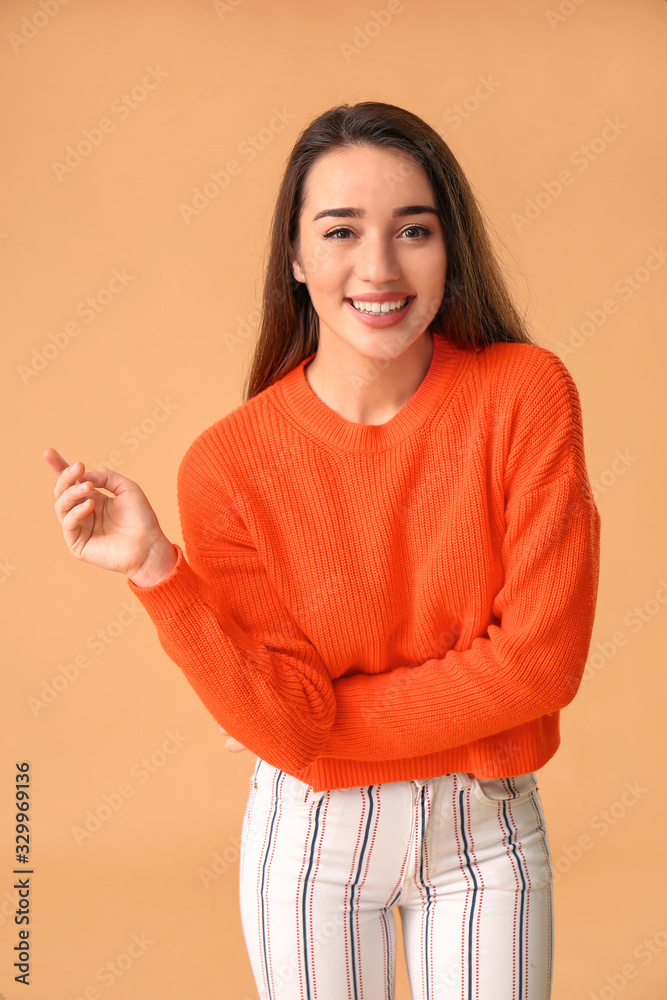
(393, 557)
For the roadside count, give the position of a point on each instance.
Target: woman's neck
(367, 390)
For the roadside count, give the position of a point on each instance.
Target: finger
(59, 466)
(78, 493)
(234, 744)
(102, 478)
(73, 497)
(73, 524)
(55, 459)
(77, 512)
(231, 744)
(107, 479)
(67, 477)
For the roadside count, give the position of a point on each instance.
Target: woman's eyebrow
(358, 213)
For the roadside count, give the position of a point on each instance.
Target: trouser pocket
(282, 787)
(515, 787)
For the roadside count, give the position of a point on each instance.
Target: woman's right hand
(232, 744)
(119, 533)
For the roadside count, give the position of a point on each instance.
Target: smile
(379, 307)
(380, 314)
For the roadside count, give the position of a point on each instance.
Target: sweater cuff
(173, 594)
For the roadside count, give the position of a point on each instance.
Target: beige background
(165, 357)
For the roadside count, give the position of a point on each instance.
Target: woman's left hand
(231, 744)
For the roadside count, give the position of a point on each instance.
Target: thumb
(232, 744)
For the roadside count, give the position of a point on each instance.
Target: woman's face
(368, 225)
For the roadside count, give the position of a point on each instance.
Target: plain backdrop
(131, 256)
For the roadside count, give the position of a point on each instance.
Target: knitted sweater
(370, 603)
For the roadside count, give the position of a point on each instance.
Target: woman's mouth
(380, 314)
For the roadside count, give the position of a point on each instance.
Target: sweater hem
(517, 751)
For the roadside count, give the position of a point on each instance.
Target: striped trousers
(466, 861)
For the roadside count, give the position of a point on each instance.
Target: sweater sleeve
(532, 662)
(220, 620)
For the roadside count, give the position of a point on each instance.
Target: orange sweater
(369, 603)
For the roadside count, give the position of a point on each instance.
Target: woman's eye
(344, 229)
(425, 231)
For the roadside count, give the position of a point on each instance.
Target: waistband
(465, 779)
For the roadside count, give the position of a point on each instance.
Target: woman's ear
(298, 271)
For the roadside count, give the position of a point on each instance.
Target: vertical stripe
(474, 948)
(542, 827)
(367, 865)
(519, 945)
(464, 837)
(354, 943)
(430, 897)
(398, 891)
(304, 920)
(457, 799)
(324, 801)
(386, 943)
(525, 898)
(417, 849)
(263, 911)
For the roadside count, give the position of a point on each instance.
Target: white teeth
(378, 307)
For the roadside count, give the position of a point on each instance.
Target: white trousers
(466, 861)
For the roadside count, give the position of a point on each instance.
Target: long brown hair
(476, 307)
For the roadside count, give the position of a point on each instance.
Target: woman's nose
(377, 262)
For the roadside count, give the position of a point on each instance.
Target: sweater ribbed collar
(300, 403)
